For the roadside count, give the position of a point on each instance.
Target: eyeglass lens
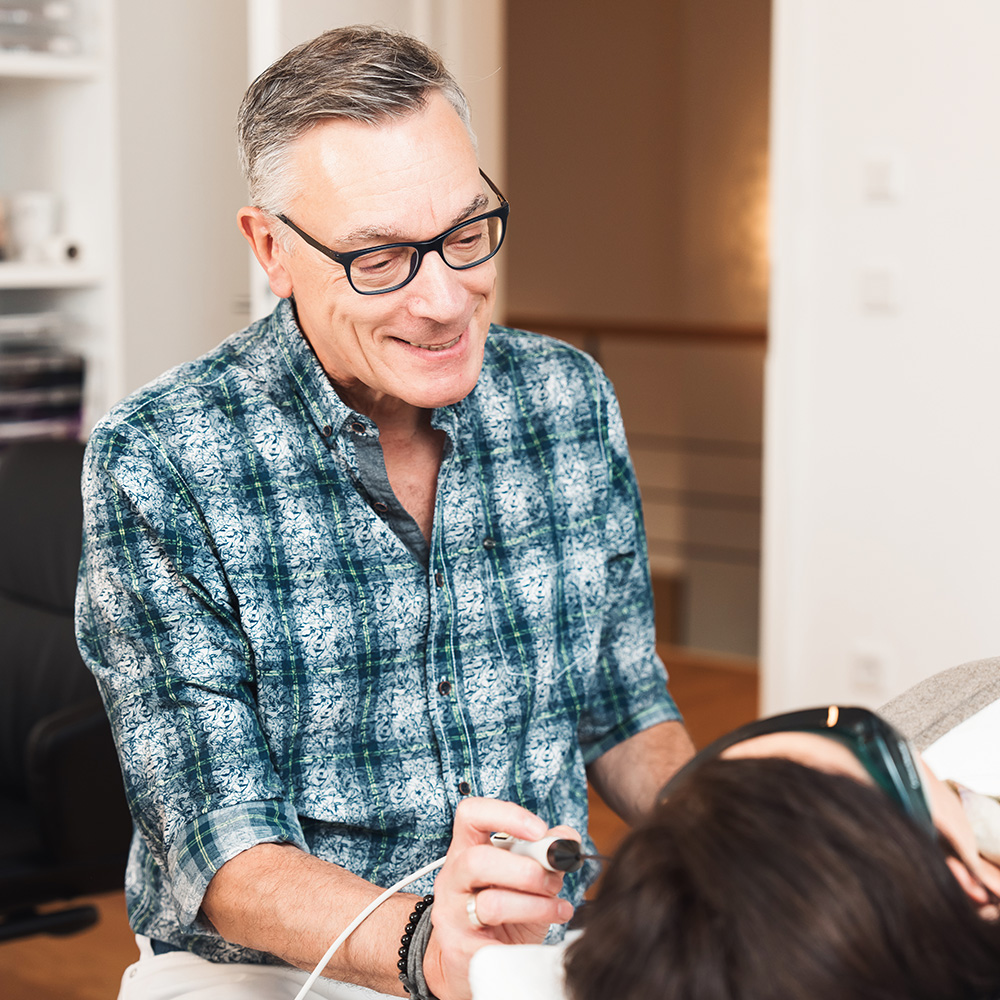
(464, 247)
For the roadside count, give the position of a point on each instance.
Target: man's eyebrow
(365, 236)
(370, 236)
(475, 206)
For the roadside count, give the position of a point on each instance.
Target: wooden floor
(714, 696)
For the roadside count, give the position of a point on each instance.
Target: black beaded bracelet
(406, 940)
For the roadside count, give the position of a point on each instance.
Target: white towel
(519, 971)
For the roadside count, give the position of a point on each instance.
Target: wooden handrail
(745, 334)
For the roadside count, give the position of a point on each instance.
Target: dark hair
(763, 879)
(360, 73)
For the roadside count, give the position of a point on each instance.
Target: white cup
(32, 222)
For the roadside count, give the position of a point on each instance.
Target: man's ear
(255, 226)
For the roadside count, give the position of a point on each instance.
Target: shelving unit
(15, 275)
(42, 66)
(58, 134)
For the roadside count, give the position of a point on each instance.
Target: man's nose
(438, 291)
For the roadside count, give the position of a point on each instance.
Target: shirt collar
(309, 380)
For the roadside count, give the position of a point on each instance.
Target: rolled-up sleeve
(159, 627)
(206, 843)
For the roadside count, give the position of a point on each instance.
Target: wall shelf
(15, 275)
(58, 134)
(43, 66)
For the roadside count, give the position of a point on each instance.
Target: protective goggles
(883, 752)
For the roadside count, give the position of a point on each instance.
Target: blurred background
(637, 138)
(794, 205)
(776, 227)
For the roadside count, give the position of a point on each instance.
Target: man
(367, 560)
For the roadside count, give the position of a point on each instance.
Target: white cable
(352, 926)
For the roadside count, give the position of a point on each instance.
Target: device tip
(565, 856)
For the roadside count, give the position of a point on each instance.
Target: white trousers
(179, 975)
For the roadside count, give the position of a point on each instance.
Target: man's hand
(514, 898)
(275, 898)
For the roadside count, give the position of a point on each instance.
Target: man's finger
(564, 833)
(493, 907)
(481, 865)
(477, 818)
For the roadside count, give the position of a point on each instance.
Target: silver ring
(470, 908)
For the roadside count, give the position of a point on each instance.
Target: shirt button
(489, 543)
(439, 579)
(380, 507)
(464, 788)
(444, 687)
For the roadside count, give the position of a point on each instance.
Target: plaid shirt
(279, 666)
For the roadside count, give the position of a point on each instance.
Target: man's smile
(434, 347)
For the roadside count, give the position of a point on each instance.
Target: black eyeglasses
(882, 751)
(376, 270)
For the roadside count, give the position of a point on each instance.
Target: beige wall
(593, 114)
(637, 152)
(694, 411)
(723, 144)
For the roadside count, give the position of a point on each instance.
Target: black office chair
(64, 824)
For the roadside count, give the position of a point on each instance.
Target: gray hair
(360, 73)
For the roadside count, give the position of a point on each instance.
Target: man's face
(360, 186)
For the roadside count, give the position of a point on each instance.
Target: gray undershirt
(373, 484)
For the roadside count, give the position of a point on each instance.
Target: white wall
(882, 483)
(181, 71)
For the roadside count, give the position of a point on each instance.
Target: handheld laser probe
(556, 854)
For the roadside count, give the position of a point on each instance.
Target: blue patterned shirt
(279, 665)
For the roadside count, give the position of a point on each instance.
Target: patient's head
(762, 878)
